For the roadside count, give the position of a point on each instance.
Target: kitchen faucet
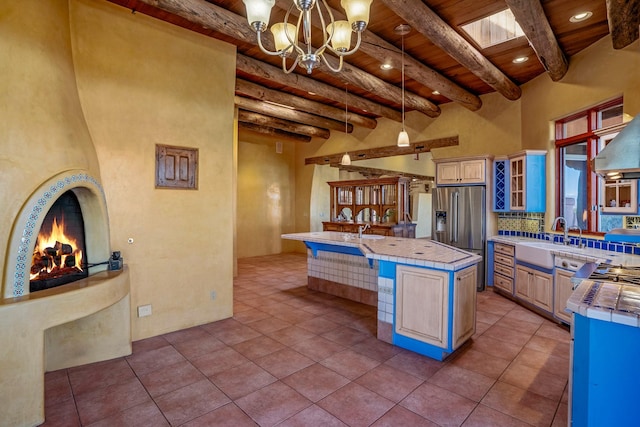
(362, 228)
(565, 228)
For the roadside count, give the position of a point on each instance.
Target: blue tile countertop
(419, 252)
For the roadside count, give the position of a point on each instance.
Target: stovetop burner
(617, 273)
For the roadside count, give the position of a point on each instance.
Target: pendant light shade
(346, 160)
(403, 136)
(403, 139)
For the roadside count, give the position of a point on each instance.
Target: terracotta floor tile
(149, 361)
(315, 382)
(186, 335)
(356, 405)
(374, 348)
(389, 382)
(549, 346)
(219, 361)
(284, 362)
(415, 364)
(399, 416)
(107, 401)
(318, 325)
(249, 315)
(63, 413)
(346, 336)
(312, 416)
(190, 402)
(536, 380)
(199, 347)
(242, 380)
(98, 375)
(487, 317)
(499, 306)
(256, 348)
(350, 364)
(521, 313)
(481, 363)
(317, 348)
(439, 405)
(291, 335)
(144, 415)
(495, 348)
(552, 364)
(268, 324)
(561, 419)
(464, 382)
(236, 334)
(524, 405)
(508, 335)
(556, 332)
(481, 327)
(228, 415)
(294, 316)
(483, 416)
(272, 404)
(149, 344)
(170, 378)
(518, 324)
(57, 389)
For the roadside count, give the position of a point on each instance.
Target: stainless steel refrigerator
(459, 220)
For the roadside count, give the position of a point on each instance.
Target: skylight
(494, 29)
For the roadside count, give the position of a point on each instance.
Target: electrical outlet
(144, 310)
(213, 295)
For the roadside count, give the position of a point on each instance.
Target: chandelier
(289, 38)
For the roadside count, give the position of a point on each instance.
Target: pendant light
(346, 159)
(403, 136)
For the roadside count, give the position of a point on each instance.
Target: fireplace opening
(59, 254)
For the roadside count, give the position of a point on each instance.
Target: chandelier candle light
(336, 35)
(403, 136)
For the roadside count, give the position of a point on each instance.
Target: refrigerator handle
(454, 222)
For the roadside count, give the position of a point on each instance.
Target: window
(495, 29)
(578, 187)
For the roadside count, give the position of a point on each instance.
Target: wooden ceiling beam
(377, 47)
(387, 151)
(277, 133)
(624, 20)
(269, 72)
(536, 27)
(377, 173)
(428, 23)
(254, 90)
(256, 119)
(290, 114)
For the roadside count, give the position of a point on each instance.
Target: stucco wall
(144, 82)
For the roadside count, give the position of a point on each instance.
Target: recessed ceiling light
(386, 66)
(520, 59)
(311, 93)
(435, 92)
(579, 17)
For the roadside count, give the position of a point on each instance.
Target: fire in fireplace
(60, 247)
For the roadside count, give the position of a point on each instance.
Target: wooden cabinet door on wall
(472, 171)
(448, 173)
(464, 305)
(422, 304)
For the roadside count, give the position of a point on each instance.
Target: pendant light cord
(403, 82)
(346, 111)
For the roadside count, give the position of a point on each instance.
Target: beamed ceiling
(439, 56)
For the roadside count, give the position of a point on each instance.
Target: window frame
(591, 139)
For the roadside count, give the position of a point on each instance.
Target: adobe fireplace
(59, 249)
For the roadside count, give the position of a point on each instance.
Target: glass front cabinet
(520, 182)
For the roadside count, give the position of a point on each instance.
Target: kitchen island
(425, 291)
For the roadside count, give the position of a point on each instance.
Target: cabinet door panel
(542, 285)
(464, 305)
(522, 283)
(563, 290)
(472, 171)
(448, 173)
(422, 305)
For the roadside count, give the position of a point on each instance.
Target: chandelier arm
(265, 50)
(323, 26)
(293, 66)
(335, 70)
(349, 52)
(294, 43)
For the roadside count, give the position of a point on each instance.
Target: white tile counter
(418, 252)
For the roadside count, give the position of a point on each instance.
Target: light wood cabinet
(535, 287)
(422, 305)
(461, 172)
(563, 290)
(464, 305)
(503, 264)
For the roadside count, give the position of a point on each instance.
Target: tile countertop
(417, 252)
(602, 300)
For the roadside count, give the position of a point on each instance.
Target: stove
(615, 288)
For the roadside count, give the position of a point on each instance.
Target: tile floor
(293, 357)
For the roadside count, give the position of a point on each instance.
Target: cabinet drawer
(502, 259)
(503, 269)
(502, 282)
(508, 250)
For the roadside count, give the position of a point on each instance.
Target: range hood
(620, 159)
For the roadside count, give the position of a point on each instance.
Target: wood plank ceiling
(439, 56)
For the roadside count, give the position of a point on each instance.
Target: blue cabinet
(520, 183)
(501, 185)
